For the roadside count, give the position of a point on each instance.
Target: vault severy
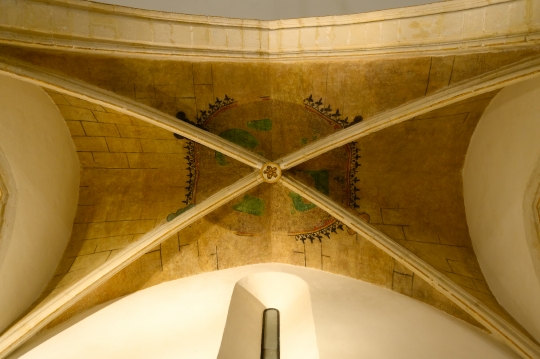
(273, 129)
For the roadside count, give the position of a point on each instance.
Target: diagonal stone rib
(44, 313)
(488, 82)
(94, 94)
(506, 332)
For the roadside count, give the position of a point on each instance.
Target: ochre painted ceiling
(404, 180)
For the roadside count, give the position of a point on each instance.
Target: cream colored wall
(44, 177)
(185, 318)
(502, 157)
(256, 292)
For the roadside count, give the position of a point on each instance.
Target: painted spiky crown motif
(204, 115)
(321, 233)
(327, 112)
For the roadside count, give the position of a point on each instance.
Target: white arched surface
(251, 296)
(186, 318)
(500, 178)
(41, 170)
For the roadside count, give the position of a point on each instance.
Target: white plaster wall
(241, 335)
(267, 10)
(502, 158)
(185, 318)
(251, 295)
(43, 178)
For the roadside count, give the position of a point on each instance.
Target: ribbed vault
(404, 179)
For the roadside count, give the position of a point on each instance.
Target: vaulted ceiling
(381, 200)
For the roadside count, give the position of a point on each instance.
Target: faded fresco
(273, 129)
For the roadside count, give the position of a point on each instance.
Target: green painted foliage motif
(221, 159)
(239, 137)
(321, 184)
(321, 180)
(250, 205)
(261, 125)
(172, 216)
(299, 204)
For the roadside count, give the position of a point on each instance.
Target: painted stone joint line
(501, 328)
